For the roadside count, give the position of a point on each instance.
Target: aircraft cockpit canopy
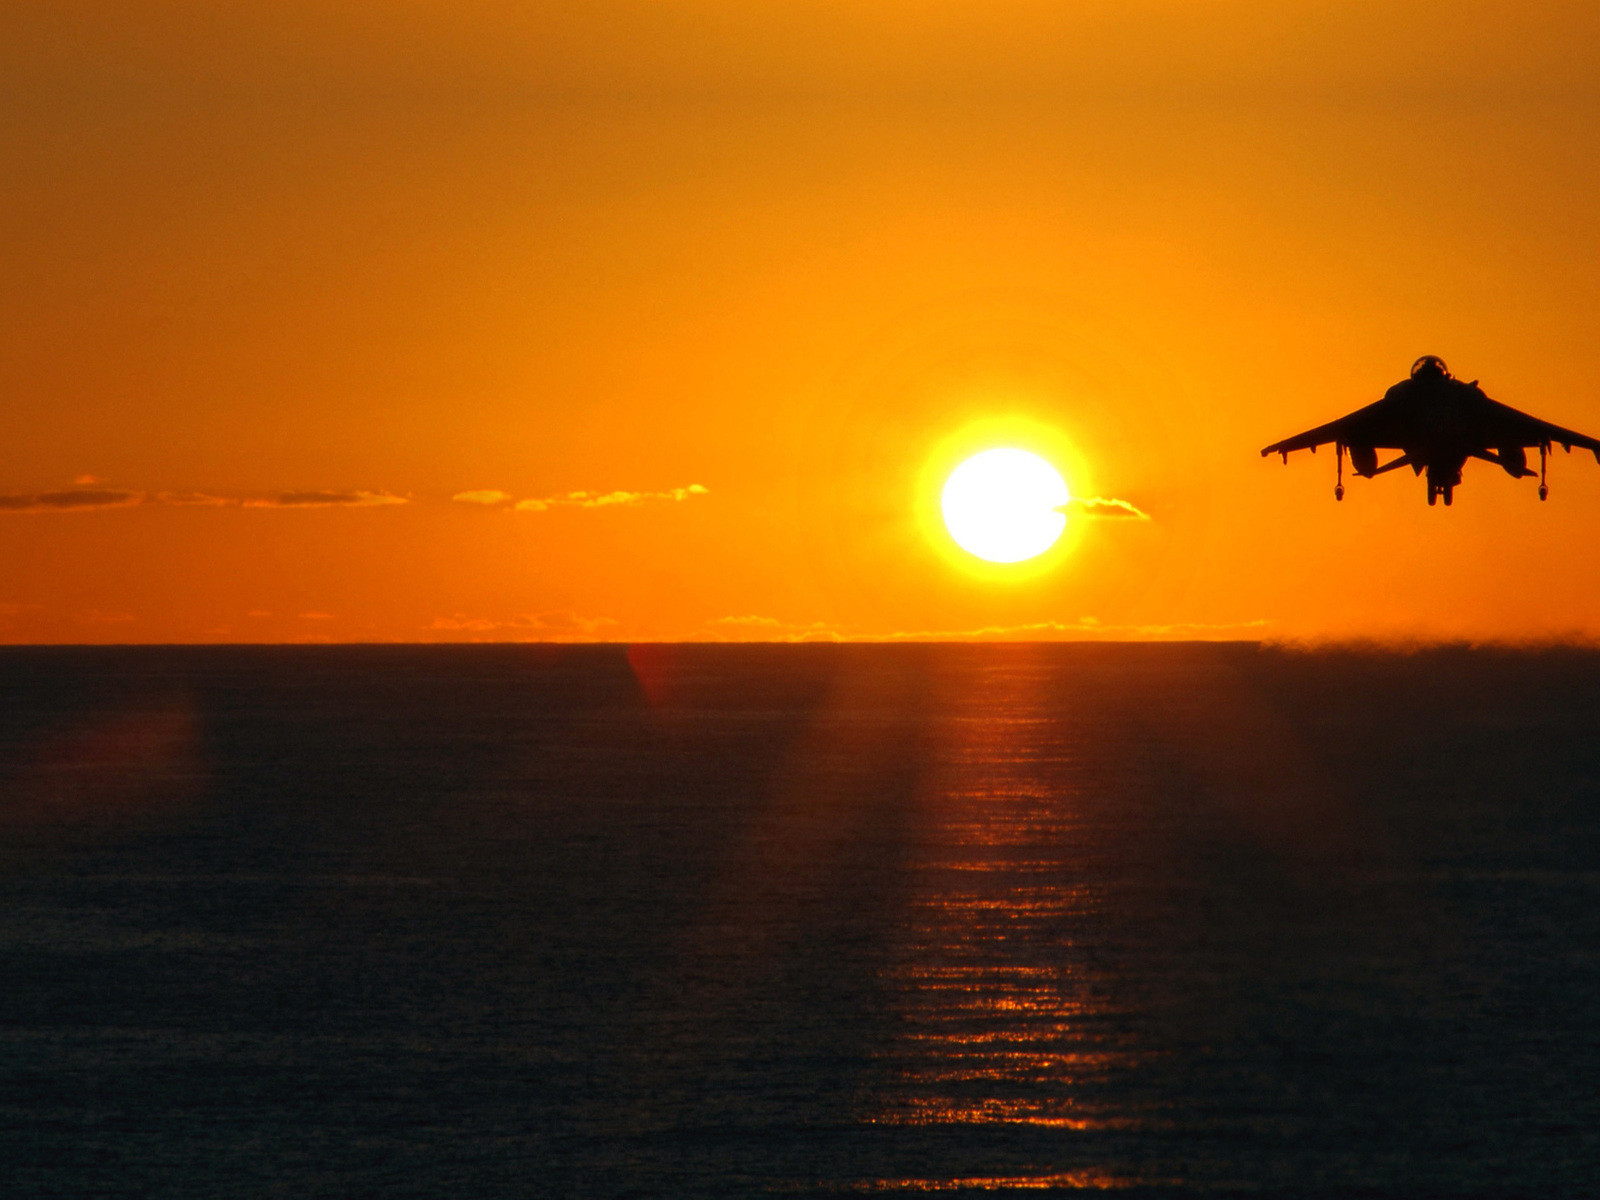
(1429, 364)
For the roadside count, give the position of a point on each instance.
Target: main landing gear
(1435, 490)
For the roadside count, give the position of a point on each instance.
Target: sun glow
(1005, 505)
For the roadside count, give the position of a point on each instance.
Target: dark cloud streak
(88, 499)
(327, 500)
(73, 501)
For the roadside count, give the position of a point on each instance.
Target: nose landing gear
(1338, 483)
(1544, 491)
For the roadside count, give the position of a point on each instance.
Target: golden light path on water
(999, 1029)
(1080, 1180)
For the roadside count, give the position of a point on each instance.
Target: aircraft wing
(1508, 427)
(1366, 426)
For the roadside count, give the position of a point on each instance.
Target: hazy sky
(277, 282)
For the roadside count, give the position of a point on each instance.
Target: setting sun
(1005, 505)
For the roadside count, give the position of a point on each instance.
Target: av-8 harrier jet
(1437, 422)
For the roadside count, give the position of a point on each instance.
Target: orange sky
(268, 270)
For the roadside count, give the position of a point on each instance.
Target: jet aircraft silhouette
(1437, 422)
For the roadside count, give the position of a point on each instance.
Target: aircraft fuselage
(1436, 422)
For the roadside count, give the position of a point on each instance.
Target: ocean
(685, 921)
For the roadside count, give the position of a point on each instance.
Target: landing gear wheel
(1433, 495)
(1449, 496)
(1338, 491)
(1544, 492)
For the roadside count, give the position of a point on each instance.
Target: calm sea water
(702, 921)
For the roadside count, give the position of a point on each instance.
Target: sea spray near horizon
(700, 920)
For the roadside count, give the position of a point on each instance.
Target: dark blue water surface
(725, 921)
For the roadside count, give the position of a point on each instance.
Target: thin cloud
(326, 500)
(608, 499)
(554, 626)
(77, 500)
(764, 629)
(85, 499)
(1101, 506)
(489, 497)
(188, 500)
(770, 629)
(1087, 629)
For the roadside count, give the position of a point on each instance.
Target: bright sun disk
(1005, 505)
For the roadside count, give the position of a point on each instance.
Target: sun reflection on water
(1003, 1016)
(1083, 1180)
